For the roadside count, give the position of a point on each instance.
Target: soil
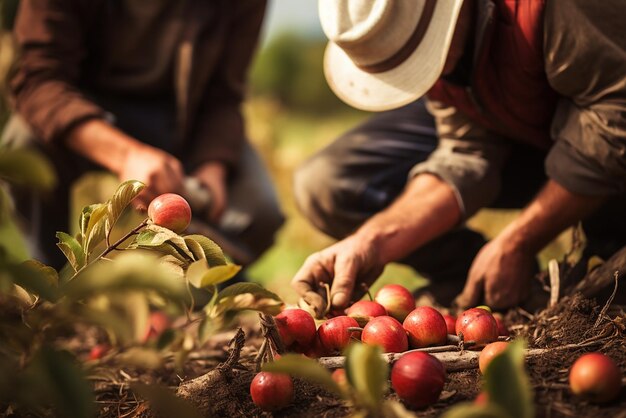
(571, 321)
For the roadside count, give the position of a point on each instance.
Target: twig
(608, 302)
(555, 282)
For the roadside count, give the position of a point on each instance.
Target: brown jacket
(61, 42)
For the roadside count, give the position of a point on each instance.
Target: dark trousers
(251, 192)
(364, 170)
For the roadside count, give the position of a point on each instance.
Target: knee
(316, 191)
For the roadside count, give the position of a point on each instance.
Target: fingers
(472, 293)
(306, 283)
(343, 284)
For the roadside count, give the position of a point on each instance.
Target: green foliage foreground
(112, 286)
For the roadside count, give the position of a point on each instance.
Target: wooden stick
(555, 281)
(602, 276)
(458, 360)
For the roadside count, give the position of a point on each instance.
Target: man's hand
(501, 273)
(128, 158)
(212, 175)
(160, 171)
(343, 265)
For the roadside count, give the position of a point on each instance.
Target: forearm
(102, 143)
(426, 209)
(552, 211)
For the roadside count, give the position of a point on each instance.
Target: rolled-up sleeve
(585, 59)
(468, 158)
(49, 35)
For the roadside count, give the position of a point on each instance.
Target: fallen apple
(450, 323)
(334, 334)
(489, 352)
(271, 391)
(365, 310)
(425, 327)
(396, 299)
(386, 332)
(596, 377)
(418, 378)
(477, 325)
(295, 326)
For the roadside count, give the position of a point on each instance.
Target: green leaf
(72, 250)
(212, 252)
(122, 197)
(164, 402)
(242, 296)
(201, 275)
(367, 373)
(305, 368)
(36, 278)
(394, 409)
(95, 232)
(131, 270)
(470, 410)
(153, 237)
(26, 167)
(85, 215)
(196, 249)
(57, 376)
(516, 396)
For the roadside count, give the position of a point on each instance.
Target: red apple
(489, 352)
(170, 211)
(386, 332)
(502, 328)
(396, 299)
(313, 350)
(98, 351)
(271, 391)
(426, 327)
(295, 326)
(334, 335)
(477, 325)
(158, 322)
(450, 323)
(339, 376)
(596, 377)
(418, 378)
(365, 310)
(482, 398)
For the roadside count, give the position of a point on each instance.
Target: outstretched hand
(499, 276)
(342, 266)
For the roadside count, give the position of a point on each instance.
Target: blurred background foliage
(290, 113)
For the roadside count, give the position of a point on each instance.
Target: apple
(170, 211)
(158, 323)
(98, 351)
(396, 299)
(295, 326)
(271, 391)
(313, 350)
(426, 327)
(339, 376)
(386, 332)
(418, 378)
(596, 377)
(334, 335)
(477, 325)
(489, 352)
(502, 328)
(365, 310)
(481, 399)
(450, 323)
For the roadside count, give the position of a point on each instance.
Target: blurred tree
(290, 68)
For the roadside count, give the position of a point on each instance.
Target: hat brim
(402, 84)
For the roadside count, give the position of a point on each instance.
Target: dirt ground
(571, 322)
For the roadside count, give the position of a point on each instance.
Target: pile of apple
(393, 322)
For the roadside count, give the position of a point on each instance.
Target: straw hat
(383, 54)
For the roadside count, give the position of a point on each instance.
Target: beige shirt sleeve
(585, 60)
(469, 158)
